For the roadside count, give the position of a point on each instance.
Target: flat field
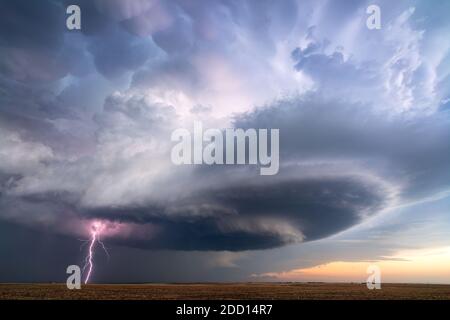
(227, 291)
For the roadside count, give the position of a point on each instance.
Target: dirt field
(225, 291)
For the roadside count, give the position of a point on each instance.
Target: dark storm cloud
(254, 216)
(340, 164)
(341, 161)
(38, 46)
(244, 216)
(42, 64)
(31, 24)
(33, 256)
(34, 54)
(32, 40)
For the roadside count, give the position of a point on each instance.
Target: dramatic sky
(86, 118)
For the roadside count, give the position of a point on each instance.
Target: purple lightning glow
(96, 229)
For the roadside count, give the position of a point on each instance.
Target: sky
(86, 118)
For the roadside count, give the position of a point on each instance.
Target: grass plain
(226, 291)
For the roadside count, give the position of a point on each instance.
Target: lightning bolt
(96, 229)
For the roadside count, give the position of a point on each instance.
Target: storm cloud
(359, 134)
